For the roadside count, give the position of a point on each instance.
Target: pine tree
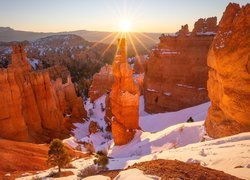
(58, 154)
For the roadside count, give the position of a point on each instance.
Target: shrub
(101, 160)
(58, 154)
(88, 171)
(190, 120)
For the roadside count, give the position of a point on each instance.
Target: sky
(106, 15)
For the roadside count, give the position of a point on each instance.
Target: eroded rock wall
(229, 74)
(176, 72)
(33, 106)
(102, 82)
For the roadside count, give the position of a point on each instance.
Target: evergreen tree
(58, 154)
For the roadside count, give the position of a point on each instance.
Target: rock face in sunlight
(176, 72)
(229, 74)
(32, 106)
(102, 82)
(124, 98)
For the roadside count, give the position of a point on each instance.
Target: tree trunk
(59, 170)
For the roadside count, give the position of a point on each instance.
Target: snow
(100, 140)
(170, 52)
(33, 62)
(163, 136)
(151, 90)
(145, 143)
(71, 142)
(134, 174)
(201, 89)
(184, 85)
(205, 33)
(167, 93)
(223, 154)
(99, 177)
(160, 121)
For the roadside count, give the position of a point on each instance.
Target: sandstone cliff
(124, 98)
(102, 82)
(176, 72)
(32, 106)
(229, 74)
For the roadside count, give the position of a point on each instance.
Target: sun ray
(112, 42)
(133, 45)
(141, 43)
(122, 35)
(100, 41)
(148, 37)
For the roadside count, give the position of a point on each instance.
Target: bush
(88, 171)
(101, 160)
(58, 154)
(190, 120)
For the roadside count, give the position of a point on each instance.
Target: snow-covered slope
(223, 154)
(101, 140)
(166, 136)
(158, 122)
(145, 143)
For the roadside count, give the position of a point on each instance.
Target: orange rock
(33, 105)
(176, 72)
(93, 127)
(124, 98)
(108, 112)
(102, 82)
(229, 74)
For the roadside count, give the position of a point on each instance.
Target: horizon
(143, 16)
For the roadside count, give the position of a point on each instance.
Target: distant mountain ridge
(149, 40)
(8, 34)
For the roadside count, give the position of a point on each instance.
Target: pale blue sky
(105, 15)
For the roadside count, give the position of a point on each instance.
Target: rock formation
(102, 82)
(108, 112)
(229, 74)
(93, 127)
(32, 106)
(176, 72)
(124, 98)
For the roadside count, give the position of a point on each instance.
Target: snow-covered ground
(100, 140)
(165, 136)
(158, 122)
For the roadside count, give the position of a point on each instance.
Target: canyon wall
(124, 98)
(32, 106)
(176, 72)
(229, 74)
(102, 82)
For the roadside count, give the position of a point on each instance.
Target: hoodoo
(229, 74)
(102, 82)
(124, 98)
(32, 106)
(176, 72)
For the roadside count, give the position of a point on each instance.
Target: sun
(125, 26)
